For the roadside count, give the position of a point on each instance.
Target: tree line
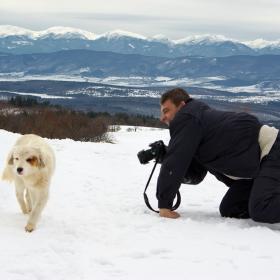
(20, 101)
(27, 115)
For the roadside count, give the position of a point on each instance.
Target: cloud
(177, 19)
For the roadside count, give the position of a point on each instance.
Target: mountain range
(18, 40)
(248, 78)
(86, 63)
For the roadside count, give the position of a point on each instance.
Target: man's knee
(259, 217)
(238, 212)
(262, 214)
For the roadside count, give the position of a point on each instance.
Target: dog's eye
(29, 160)
(16, 158)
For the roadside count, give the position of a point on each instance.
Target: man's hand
(167, 213)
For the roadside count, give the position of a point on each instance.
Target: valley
(135, 99)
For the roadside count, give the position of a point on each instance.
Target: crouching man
(236, 148)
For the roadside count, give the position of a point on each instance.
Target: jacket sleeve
(195, 173)
(186, 135)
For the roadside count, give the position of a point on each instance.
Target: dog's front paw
(29, 227)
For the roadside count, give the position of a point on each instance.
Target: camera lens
(145, 156)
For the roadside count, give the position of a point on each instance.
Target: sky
(96, 225)
(243, 20)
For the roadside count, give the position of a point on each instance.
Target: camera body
(157, 152)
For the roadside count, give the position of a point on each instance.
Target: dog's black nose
(19, 170)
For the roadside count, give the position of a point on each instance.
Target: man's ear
(182, 103)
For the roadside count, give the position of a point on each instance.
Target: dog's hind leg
(39, 199)
(19, 188)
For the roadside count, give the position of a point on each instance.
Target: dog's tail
(7, 174)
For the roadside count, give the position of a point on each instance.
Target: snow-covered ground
(260, 92)
(96, 225)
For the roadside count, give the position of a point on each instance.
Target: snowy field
(259, 92)
(96, 225)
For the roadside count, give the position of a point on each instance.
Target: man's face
(169, 110)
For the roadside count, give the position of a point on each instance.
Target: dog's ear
(41, 161)
(10, 158)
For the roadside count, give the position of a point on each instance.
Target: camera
(157, 152)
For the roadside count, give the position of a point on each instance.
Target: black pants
(258, 199)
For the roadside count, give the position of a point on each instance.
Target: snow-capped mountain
(207, 38)
(162, 39)
(57, 32)
(264, 47)
(19, 40)
(116, 34)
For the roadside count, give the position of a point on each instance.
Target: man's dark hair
(176, 95)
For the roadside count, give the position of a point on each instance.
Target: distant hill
(235, 70)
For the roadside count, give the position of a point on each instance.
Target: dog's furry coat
(30, 164)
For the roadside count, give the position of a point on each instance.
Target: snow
(57, 31)
(96, 225)
(257, 44)
(261, 43)
(162, 39)
(9, 30)
(195, 39)
(40, 95)
(66, 32)
(115, 34)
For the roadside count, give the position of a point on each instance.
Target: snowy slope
(96, 225)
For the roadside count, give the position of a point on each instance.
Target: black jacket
(204, 139)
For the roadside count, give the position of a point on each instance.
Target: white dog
(30, 164)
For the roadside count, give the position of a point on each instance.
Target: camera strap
(177, 204)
